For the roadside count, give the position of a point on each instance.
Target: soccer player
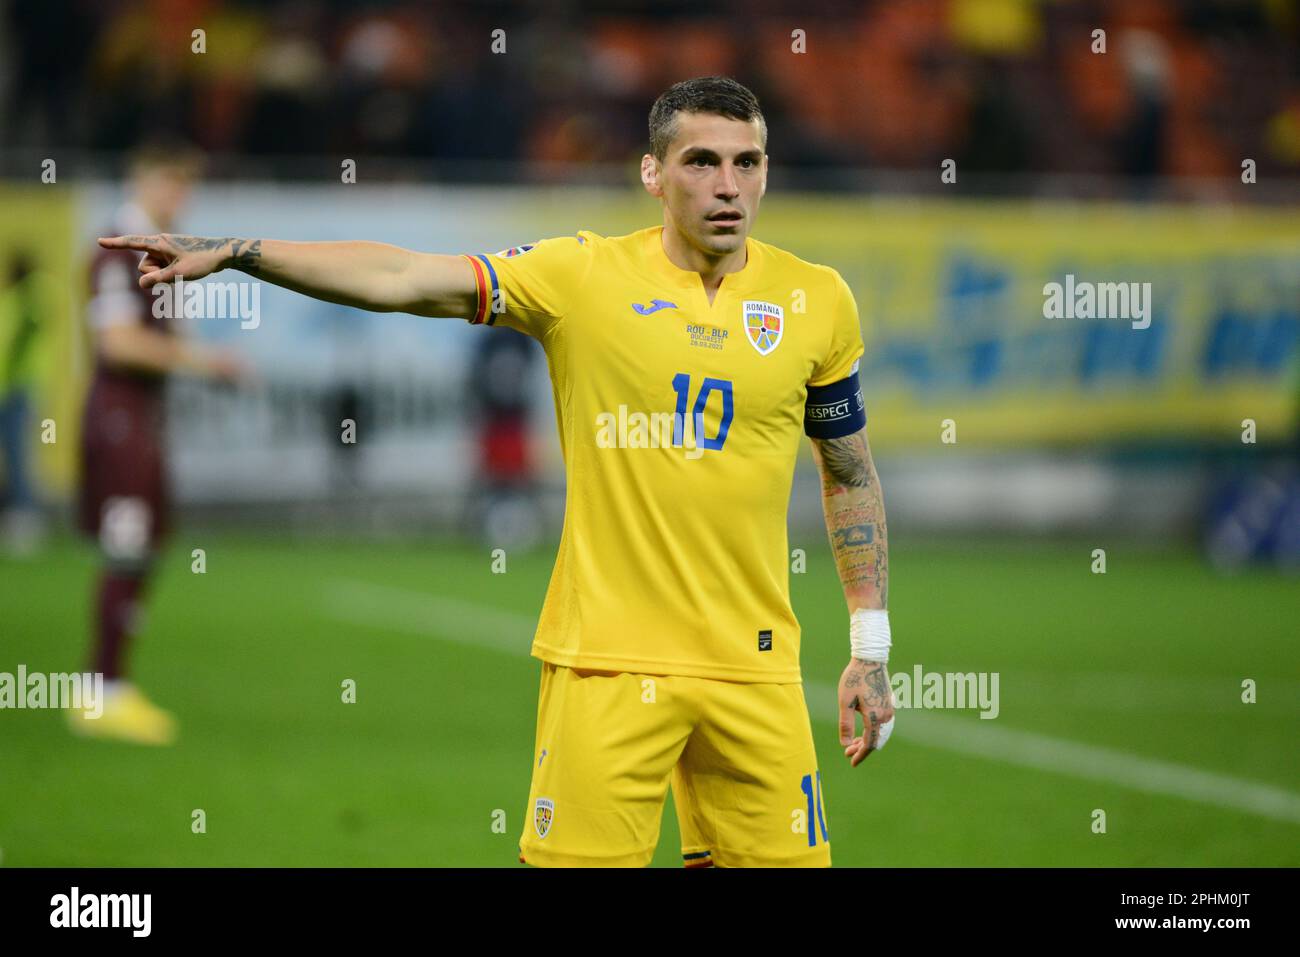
(686, 359)
(123, 496)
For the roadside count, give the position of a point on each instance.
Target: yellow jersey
(680, 423)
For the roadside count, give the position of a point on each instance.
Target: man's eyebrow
(703, 152)
(692, 152)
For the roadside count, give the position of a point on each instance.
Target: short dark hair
(703, 94)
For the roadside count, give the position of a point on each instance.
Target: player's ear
(762, 189)
(650, 175)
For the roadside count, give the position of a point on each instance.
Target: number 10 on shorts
(807, 785)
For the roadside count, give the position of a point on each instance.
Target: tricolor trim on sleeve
(485, 280)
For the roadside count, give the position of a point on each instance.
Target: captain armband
(836, 410)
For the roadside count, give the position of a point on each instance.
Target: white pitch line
(415, 612)
(470, 623)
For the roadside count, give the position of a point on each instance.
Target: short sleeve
(115, 299)
(846, 347)
(531, 287)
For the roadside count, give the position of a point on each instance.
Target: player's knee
(126, 532)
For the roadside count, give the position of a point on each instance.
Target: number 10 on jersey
(682, 386)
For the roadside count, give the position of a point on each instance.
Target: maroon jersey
(123, 481)
(116, 297)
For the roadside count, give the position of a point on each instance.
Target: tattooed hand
(167, 255)
(864, 689)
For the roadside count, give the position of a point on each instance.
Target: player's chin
(724, 237)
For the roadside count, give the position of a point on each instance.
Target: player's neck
(711, 269)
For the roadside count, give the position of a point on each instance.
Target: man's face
(711, 180)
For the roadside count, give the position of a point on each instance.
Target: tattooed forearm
(855, 518)
(845, 461)
(245, 255)
(851, 536)
(196, 244)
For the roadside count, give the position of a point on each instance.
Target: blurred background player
(505, 508)
(24, 302)
(124, 501)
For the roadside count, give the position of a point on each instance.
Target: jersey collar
(687, 278)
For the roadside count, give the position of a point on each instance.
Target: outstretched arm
(855, 520)
(374, 276)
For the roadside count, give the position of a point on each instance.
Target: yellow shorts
(740, 757)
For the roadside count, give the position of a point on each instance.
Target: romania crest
(764, 324)
(543, 814)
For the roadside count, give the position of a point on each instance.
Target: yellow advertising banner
(41, 349)
(1028, 322)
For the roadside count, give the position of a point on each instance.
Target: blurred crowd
(1183, 89)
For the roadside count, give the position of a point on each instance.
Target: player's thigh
(606, 745)
(123, 498)
(748, 789)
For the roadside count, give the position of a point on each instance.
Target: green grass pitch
(1145, 661)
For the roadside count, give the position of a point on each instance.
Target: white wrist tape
(869, 634)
